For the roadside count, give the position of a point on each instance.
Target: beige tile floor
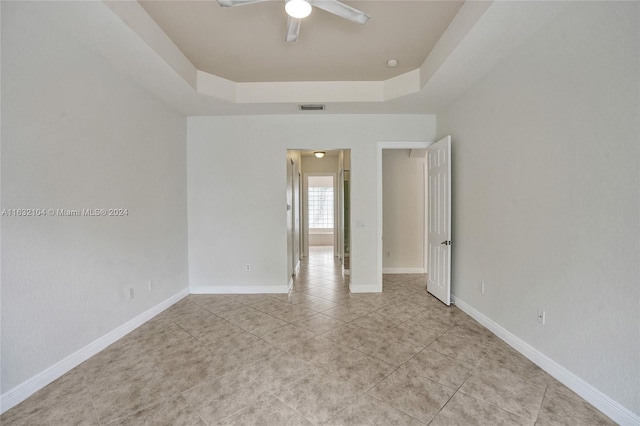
(318, 355)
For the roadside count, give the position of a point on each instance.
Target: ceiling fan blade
(340, 9)
(293, 29)
(231, 3)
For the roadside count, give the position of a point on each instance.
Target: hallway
(320, 269)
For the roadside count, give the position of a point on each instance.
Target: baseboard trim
(14, 396)
(364, 289)
(602, 402)
(403, 270)
(239, 289)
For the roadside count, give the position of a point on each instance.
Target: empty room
(269, 212)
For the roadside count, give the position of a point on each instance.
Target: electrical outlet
(542, 317)
(130, 293)
(247, 267)
(150, 285)
(482, 287)
(388, 254)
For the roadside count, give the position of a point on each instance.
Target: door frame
(300, 240)
(379, 246)
(290, 222)
(295, 217)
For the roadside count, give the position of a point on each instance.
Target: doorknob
(446, 243)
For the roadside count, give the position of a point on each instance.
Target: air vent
(311, 107)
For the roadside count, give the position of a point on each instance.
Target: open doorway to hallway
(320, 284)
(322, 197)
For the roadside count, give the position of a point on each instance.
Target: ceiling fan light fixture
(297, 8)
(319, 154)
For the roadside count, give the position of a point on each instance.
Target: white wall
(320, 165)
(237, 209)
(318, 239)
(76, 134)
(402, 212)
(546, 195)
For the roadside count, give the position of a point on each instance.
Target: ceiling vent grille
(312, 107)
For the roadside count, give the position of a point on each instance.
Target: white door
(290, 219)
(439, 220)
(296, 217)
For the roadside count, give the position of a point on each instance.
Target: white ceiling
(480, 35)
(246, 43)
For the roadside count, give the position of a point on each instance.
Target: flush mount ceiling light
(297, 8)
(319, 154)
(392, 63)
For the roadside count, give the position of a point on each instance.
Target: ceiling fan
(298, 9)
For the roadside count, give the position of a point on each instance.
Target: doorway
(293, 218)
(405, 249)
(318, 205)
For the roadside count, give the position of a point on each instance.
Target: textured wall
(237, 209)
(78, 135)
(545, 194)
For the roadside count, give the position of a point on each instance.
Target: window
(321, 206)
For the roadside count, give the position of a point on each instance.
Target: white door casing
(294, 206)
(439, 220)
(296, 218)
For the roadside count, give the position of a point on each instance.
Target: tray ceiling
(246, 43)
